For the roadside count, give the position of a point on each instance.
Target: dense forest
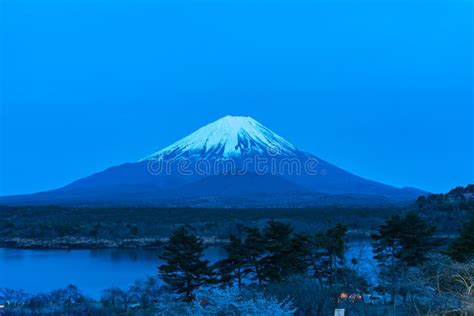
(104, 227)
(64, 227)
(459, 198)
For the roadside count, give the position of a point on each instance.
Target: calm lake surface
(91, 270)
(95, 270)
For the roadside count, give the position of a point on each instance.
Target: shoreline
(86, 243)
(77, 243)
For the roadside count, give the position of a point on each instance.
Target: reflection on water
(128, 255)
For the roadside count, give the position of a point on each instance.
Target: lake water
(94, 270)
(91, 270)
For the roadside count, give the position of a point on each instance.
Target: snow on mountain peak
(229, 136)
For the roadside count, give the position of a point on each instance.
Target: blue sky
(383, 89)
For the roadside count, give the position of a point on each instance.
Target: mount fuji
(234, 161)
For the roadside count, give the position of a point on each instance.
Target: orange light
(343, 296)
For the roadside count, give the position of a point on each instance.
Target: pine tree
(277, 244)
(301, 246)
(285, 253)
(335, 244)
(328, 254)
(462, 248)
(405, 239)
(184, 269)
(253, 244)
(416, 240)
(233, 268)
(387, 249)
(402, 242)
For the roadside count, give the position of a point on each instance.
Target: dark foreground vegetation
(293, 264)
(277, 271)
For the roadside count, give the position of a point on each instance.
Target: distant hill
(459, 198)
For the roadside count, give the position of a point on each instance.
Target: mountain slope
(231, 157)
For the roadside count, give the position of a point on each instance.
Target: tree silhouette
(184, 269)
(462, 248)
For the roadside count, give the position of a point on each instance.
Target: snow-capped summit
(230, 136)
